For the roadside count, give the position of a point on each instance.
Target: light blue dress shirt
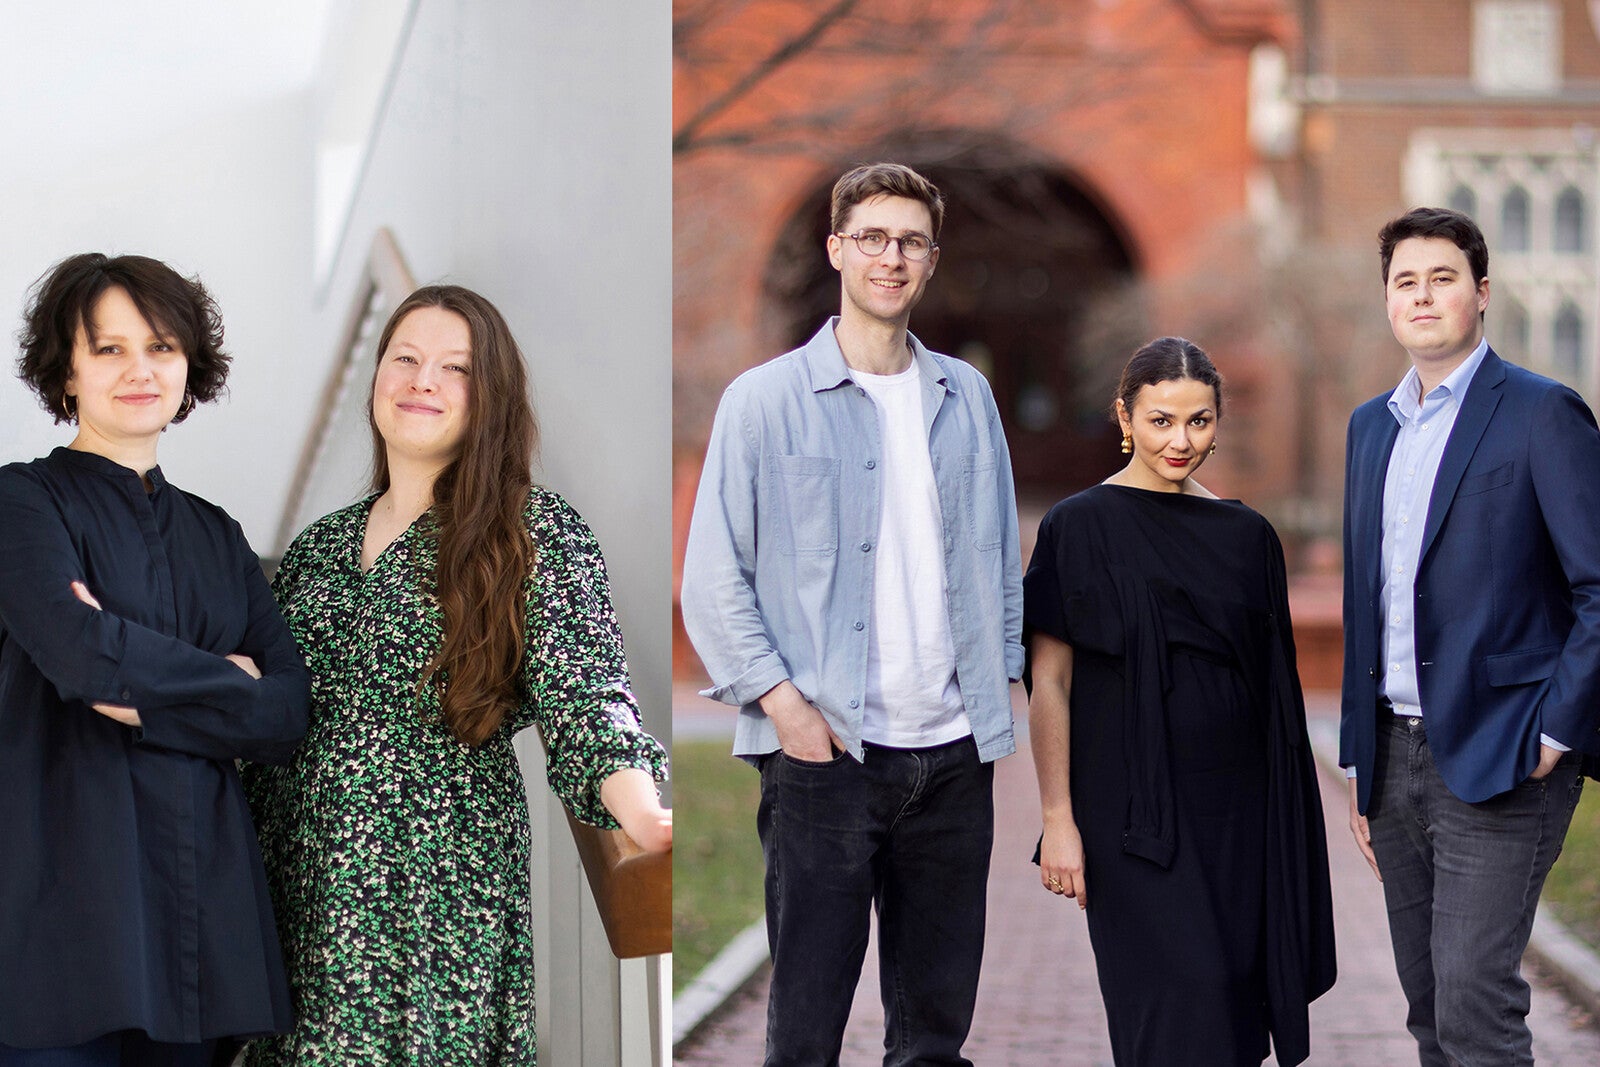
(778, 570)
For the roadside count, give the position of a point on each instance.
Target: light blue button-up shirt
(778, 570)
(1425, 425)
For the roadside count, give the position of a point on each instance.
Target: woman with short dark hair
(141, 654)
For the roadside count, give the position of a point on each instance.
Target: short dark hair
(178, 309)
(1453, 226)
(884, 179)
(1167, 359)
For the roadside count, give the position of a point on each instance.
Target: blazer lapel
(1483, 396)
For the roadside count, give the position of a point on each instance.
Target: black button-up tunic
(131, 890)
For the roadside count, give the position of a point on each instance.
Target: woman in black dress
(140, 654)
(1179, 796)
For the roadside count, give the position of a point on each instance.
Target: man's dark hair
(1453, 226)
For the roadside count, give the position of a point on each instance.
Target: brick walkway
(1039, 1003)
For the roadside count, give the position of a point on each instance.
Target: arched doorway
(1030, 271)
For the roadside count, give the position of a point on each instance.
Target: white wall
(227, 199)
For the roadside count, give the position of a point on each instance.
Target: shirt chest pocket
(804, 494)
(980, 475)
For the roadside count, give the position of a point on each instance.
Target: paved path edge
(1570, 962)
(727, 973)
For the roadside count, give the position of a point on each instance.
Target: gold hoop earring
(1127, 443)
(185, 406)
(69, 404)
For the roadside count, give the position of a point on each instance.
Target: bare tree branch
(784, 53)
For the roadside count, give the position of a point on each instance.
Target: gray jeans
(1461, 882)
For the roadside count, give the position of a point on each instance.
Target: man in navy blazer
(1472, 642)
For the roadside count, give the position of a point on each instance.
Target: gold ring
(1054, 883)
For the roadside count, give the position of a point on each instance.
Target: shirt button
(855, 703)
(1394, 667)
(1405, 519)
(860, 625)
(872, 464)
(866, 546)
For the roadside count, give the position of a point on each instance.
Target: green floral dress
(398, 857)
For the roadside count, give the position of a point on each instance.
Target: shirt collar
(93, 461)
(826, 368)
(1404, 403)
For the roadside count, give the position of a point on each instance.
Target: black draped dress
(1192, 779)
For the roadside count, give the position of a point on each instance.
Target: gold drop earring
(1127, 443)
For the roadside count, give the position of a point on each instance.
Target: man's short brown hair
(885, 179)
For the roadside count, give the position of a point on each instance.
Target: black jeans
(908, 831)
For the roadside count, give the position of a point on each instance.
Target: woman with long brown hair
(455, 606)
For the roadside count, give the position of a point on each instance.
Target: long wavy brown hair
(484, 551)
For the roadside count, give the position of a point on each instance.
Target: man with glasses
(852, 581)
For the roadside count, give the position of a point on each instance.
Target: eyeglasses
(913, 246)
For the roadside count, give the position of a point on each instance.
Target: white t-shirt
(912, 699)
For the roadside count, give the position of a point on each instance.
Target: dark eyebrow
(1443, 268)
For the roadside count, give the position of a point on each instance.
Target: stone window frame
(1544, 279)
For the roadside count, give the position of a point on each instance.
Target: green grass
(1573, 888)
(716, 864)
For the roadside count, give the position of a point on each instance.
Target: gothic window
(1462, 199)
(1569, 235)
(1514, 220)
(1514, 332)
(1567, 356)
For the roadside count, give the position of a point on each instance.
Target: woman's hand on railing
(121, 713)
(630, 796)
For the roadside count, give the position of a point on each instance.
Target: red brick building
(1119, 169)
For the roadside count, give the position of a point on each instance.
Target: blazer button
(1372, 672)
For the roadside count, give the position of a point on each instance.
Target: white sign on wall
(1516, 46)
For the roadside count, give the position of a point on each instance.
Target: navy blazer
(1507, 587)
